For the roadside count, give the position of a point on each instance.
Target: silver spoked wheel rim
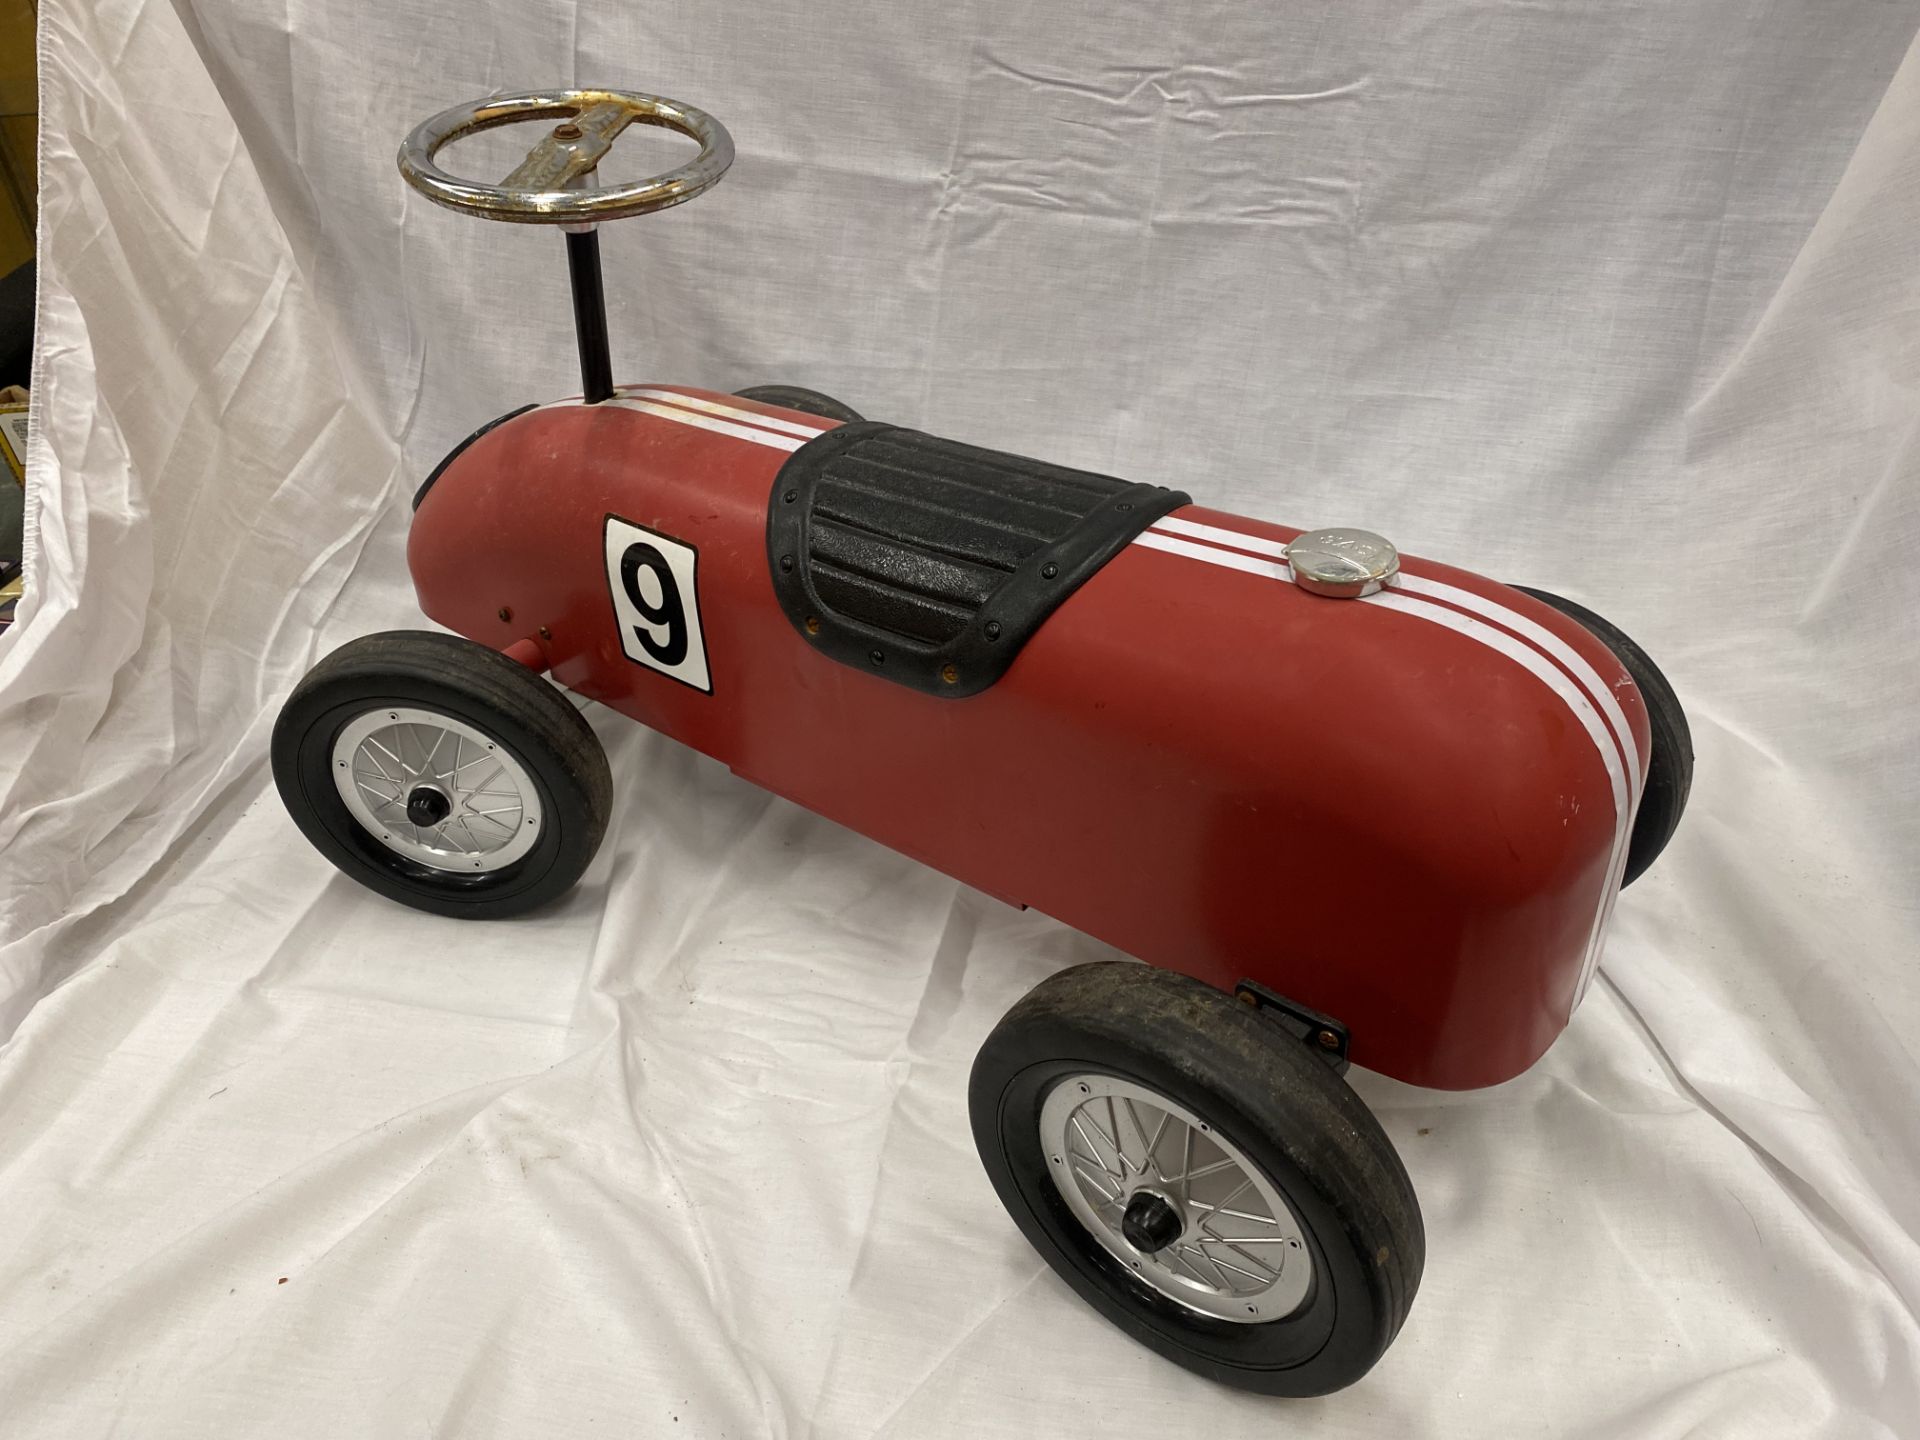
(476, 806)
(1240, 1254)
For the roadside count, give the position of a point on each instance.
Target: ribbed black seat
(931, 562)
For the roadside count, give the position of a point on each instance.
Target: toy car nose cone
(427, 806)
(1345, 564)
(1149, 1223)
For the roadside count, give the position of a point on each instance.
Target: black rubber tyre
(1256, 1085)
(807, 402)
(514, 708)
(1670, 766)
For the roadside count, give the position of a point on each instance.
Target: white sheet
(1620, 299)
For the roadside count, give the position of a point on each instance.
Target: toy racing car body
(1189, 756)
(1348, 805)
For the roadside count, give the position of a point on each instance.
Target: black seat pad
(931, 562)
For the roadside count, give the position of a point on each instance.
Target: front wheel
(442, 774)
(1200, 1176)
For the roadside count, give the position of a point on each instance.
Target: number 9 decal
(655, 603)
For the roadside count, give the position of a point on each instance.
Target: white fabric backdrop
(1617, 298)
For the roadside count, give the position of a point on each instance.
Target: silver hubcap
(1240, 1253)
(436, 790)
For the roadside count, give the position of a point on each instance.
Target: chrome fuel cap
(1343, 563)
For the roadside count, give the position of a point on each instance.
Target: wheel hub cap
(427, 807)
(1150, 1223)
(436, 790)
(1172, 1199)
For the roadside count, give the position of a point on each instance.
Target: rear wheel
(1200, 1176)
(807, 402)
(1663, 800)
(442, 774)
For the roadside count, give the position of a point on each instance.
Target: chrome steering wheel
(552, 185)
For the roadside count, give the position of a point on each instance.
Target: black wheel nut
(1149, 1223)
(426, 806)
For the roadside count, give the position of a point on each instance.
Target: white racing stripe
(1597, 689)
(1555, 680)
(1258, 544)
(707, 422)
(1227, 558)
(1544, 639)
(726, 412)
(703, 414)
(1540, 652)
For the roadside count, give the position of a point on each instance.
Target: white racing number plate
(656, 604)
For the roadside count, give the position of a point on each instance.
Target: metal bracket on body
(1323, 1034)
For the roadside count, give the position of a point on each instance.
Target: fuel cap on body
(1345, 564)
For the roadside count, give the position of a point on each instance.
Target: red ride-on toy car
(1346, 804)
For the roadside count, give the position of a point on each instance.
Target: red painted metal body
(1382, 815)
